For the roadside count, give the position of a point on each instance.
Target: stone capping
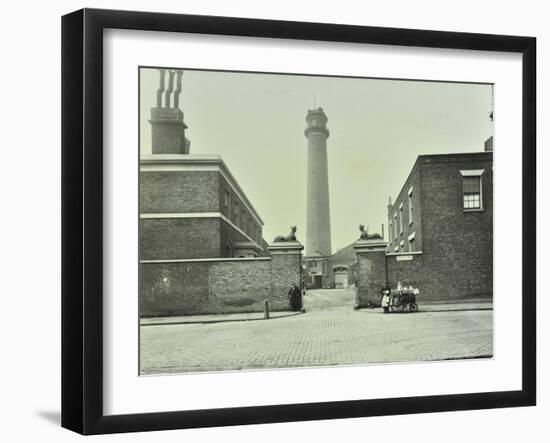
(197, 162)
(405, 253)
(472, 172)
(289, 247)
(198, 260)
(376, 244)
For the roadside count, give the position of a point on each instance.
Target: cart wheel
(393, 308)
(413, 307)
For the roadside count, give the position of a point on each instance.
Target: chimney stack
(167, 126)
(489, 144)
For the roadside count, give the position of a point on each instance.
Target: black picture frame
(82, 218)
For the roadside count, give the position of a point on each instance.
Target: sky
(378, 127)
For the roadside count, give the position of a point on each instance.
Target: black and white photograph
(272, 222)
(297, 221)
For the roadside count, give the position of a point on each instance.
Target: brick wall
(371, 274)
(408, 272)
(204, 287)
(227, 200)
(228, 237)
(239, 286)
(394, 234)
(173, 288)
(286, 269)
(177, 238)
(215, 287)
(439, 279)
(168, 138)
(182, 238)
(174, 192)
(457, 245)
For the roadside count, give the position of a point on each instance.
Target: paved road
(328, 300)
(330, 333)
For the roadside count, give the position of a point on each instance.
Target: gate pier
(371, 271)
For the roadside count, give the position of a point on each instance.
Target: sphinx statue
(365, 234)
(287, 238)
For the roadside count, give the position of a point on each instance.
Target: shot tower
(318, 241)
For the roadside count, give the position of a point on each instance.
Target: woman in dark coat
(295, 297)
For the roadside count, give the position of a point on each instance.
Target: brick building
(341, 267)
(191, 206)
(440, 227)
(333, 271)
(201, 245)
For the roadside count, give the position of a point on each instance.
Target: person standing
(385, 303)
(295, 297)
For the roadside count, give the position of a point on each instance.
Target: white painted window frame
(474, 173)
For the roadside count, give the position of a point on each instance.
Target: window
(471, 189)
(243, 220)
(226, 199)
(236, 212)
(402, 244)
(472, 192)
(411, 242)
(391, 231)
(401, 218)
(410, 206)
(395, 226)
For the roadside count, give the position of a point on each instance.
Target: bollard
(266, 309)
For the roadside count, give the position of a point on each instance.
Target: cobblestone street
(329, 333)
